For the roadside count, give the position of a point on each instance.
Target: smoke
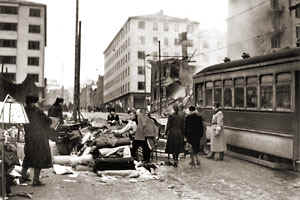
(255, 18)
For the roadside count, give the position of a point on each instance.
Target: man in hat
(37, 150)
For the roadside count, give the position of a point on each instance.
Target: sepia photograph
(154, 100)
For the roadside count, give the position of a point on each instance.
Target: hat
(192, 108)
(31, 99)
(59, 100)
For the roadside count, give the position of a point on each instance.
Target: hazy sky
(101, 20)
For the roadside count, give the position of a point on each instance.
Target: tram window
(199, 94)
(208, 94)
(239, 97)
(251, 92)
(283, 96)
(218, 95)
(208, 97)
(266, 91)
(239, 92)
(228, 84)
(227, 97)
(283, 91)
(218, 91)
(251, 97)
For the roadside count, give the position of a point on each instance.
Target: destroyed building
(171, 81)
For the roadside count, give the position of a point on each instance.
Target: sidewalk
(232, 179)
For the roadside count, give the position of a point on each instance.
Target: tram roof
(284, 53)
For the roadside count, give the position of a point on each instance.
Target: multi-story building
(127, 75)
(212, 49)
(98, 93)
(259, 26)
(22, 40)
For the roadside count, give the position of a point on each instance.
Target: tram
(260, 99)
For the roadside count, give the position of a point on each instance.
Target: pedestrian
(175, 134)
(37, 150)
(217, 137)
(113, 118)
(130, 127)
(193, 133)
(56, 110)
(144, 137)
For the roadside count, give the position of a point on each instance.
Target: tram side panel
(297, 116)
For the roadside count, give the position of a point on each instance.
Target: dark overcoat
(175, 133)
(194, 129)
(55, 111)
(37, 149)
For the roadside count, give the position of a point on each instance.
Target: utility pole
(159, 69)
(145, 91)
(76, 74)
(78, 69)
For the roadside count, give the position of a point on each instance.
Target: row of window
(32, 45)
(117, 79)
(166, 26)
(117, 92)
(119, 38)
(6, 26)
(154, 55)
(118, 65)
(269, 92)
(118, 52)
(142, 41)
(125, 88)
(12, 76)
(32, 61)
(13, 10)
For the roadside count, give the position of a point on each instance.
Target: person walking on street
(217, 138)
(193, 133)
(37, 150)
(175, 133)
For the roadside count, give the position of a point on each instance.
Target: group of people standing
(190, 127)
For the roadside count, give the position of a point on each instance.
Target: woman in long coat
(193, 132)
(175, 133)
(217, 138)
(37, 150)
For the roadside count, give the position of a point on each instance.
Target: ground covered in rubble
(231, 179)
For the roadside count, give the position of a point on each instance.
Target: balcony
(278, 30)
(277, 9)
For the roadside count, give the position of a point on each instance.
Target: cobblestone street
(232, 179)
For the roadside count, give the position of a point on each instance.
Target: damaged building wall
(176, 82)
(259, 27)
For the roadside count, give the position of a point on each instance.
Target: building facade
(98, 100)
(127, 72)
(259, 27)
(22, 40)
